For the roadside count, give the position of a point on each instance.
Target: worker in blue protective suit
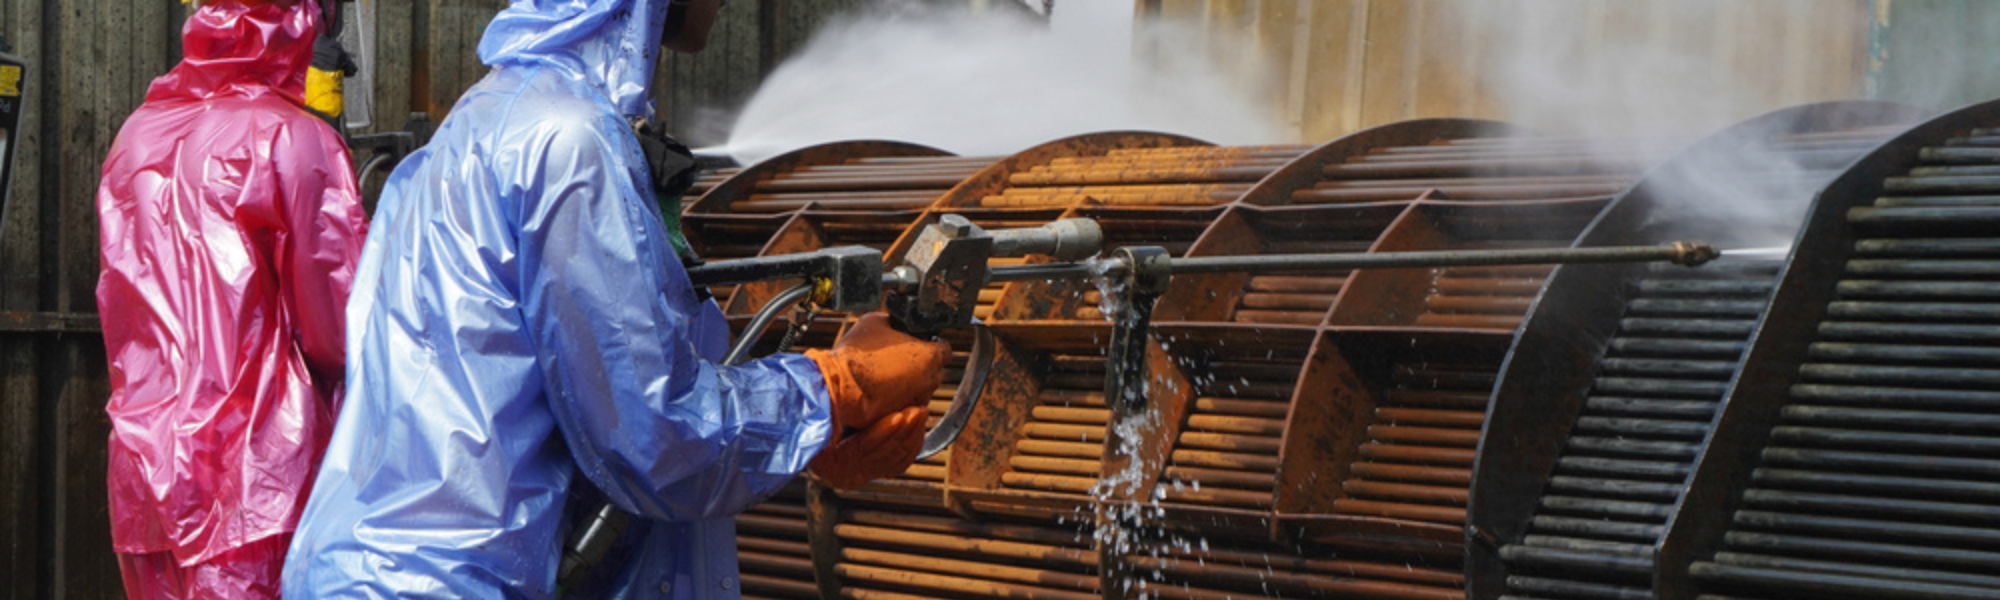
(519, 318)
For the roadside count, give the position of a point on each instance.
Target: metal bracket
(855, 271)
(1148, 270)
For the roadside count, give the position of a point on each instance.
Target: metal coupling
(1694, 254)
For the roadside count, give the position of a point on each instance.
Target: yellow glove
(324, 91)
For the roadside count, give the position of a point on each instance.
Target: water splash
(1110, 291)
(1129, 518)
(1759, 252)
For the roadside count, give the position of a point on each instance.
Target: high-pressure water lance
(936, 287)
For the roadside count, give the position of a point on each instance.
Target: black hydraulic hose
(368, 169)
(762, 321)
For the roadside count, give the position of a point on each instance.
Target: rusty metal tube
(1232, 424)
(1141, 175)
(943, 583)
(1226, 478)
(1685, 327)
(1477, 182)
(770, 564)
(759, 584)
(1072, 397)
(1059, 414)
(1796, 565)
(1490, 286)
(1404, 492)
(1432, 417)
(1900, 442)
(1060, 449)
(1468, 321)
(1054, 431)
(1514, 305)
(982, 570)
(1228, 442)
(1715, 349)
(1280, 317)
(1542, 587)
(1602, 508)
(771, 525)
(926, 472)
(1225, 460)
(1244, 407)
(1267, 560)
(1465, 167)
(1429, 436)
(1831, 585)
(1459, 457)
(1643, 428)
(1429, 375)
(1869, 529)
(1562, 558)
(1622, 447)
(1623, 467)
(1949, 185)
(1053, 483)
(923, 541)
(1219, 497)
(1064, 466)
(1045, 536)
(1302, 584)
(1287, 301)
(1960, 155)
(1412, 473)
(1595, 191)
(1598, 529)
(1400, 510)
(774, 546)
(1944, 466)
(1630, 386)
(1648, 490)
(1453, 399)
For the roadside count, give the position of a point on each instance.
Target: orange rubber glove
(875, 370)
(884, 449)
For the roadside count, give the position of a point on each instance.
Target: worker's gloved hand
(875, 370)
(884, 449)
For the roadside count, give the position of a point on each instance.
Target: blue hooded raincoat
(519, 318)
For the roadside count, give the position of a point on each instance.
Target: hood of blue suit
(613, 44)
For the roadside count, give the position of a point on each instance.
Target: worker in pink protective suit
(231, 227)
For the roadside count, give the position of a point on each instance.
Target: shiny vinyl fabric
(519, 318)
(231, 230)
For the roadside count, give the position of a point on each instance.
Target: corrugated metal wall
(1935, 52)
(1350, 64)
(90, 63)
(430, 56)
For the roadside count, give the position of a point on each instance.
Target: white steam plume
(1674, 76)
(992, 85)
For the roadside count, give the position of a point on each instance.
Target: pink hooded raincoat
(231, 227)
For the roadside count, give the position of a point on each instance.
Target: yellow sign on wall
(10, 80)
